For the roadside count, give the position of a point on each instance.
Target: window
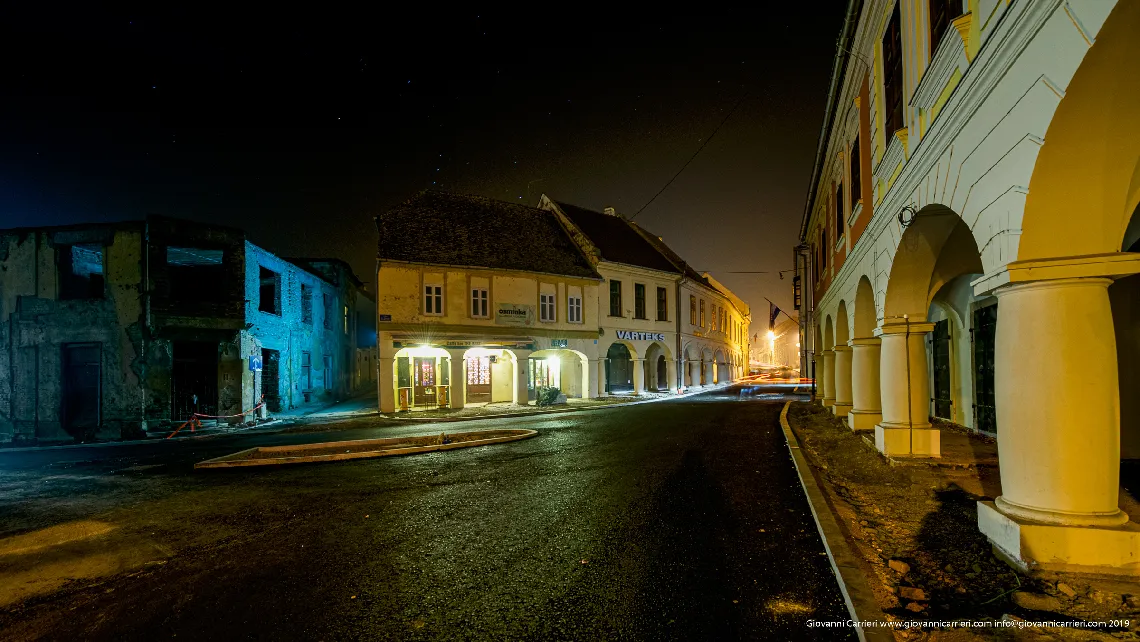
(823, 250)
(433, 299)
(692, 310)
(81, 271)
(639, 300)
(479, 303)
(615, 298)
(942, 12)
(702, 313)
(328, 372)
(839, 211)
(346, 319)
(856, 173)
(574, 309)
(269, 292)
(306, 371)
(196, 274)
(893, 76)
(546, 308)
(662, 305)
(326, 309)
(306, 304)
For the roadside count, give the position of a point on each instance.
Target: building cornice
(380, 263)
(948, 58)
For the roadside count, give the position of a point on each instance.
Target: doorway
(82, 379)
(940, 361)
(662, 374)
(479, 379)
(423, 388)
(983, 334)
(619, 369)
(271, 379)
(195, 379)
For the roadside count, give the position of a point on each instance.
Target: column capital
(827, 353)
(904, 328)
(865, 341)
(1053, 284)
(843, 348)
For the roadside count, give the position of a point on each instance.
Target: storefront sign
(559, 343)
(385, 317)
(630, 335)
(514, 314)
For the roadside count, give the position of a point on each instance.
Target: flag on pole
(773, 312)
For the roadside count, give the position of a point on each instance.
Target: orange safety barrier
(196, 418)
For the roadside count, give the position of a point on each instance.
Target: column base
(841, 409)
(901, 440)
(863, 420)
(827, 403)
(1034, 546)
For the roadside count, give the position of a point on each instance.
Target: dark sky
(299, 126)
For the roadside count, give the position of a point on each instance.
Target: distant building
(108, 330)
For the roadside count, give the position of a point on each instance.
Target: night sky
(300, 126)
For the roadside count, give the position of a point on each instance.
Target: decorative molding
(962, 24)
(856, 210)
(892, 158)
(948, 58)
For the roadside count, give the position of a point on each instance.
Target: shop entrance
(619, 369)
(983, 335)
(195, 379)
(940, 360)
(479, 379)
(423, 389)
(81, 383)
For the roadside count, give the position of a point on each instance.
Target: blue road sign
(255, 363)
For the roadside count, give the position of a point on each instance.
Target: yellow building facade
(968, 252)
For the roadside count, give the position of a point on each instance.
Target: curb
(229, 461)
(852, 582)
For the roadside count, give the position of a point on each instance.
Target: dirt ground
(916, 528)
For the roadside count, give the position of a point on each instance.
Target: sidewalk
(914, 524)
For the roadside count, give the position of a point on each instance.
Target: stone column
(638, 376)
(457, 396)
(386, 375)
(672, 384)
(828, 387)
(866, 409)
(522, 368)
(905, 429)
(1058, 418)
(597, 378)
(842, 381)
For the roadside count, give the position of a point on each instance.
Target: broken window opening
(269, 293)
(81, 271)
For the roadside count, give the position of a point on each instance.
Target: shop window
(639, 300)
(433, 299)
(479, 305)
(662, 304)
(615, 299)
(546, 308)
(574, 309)
(856, 176)
(306, 304)
(80, 271)
(269, 291)
(893, 75)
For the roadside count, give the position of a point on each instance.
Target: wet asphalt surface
(681, 519)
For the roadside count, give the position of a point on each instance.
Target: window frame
(692, 309)
(261, 286)
(480, 300)
(856, 169)
(639, 308)
(429, 295)
(839, 217)
(547, 310)
(573, 308)
(939, 28)
(662, 304)
(615, 298)
(893, 77)
(702, 314)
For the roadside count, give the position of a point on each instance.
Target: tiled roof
(473, 231)
(616, 239)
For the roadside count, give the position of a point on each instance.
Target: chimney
(610, 211)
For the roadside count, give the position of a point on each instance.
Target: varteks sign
(630, 335)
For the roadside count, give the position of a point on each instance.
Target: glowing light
(554, 362)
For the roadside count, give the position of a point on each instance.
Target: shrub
(546, 395)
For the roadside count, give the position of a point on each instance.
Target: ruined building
(111, 330)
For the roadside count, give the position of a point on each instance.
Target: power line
(727, 116)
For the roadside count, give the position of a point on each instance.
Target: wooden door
(478, 379)
(423, 388)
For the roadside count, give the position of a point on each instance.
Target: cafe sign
(514, 314)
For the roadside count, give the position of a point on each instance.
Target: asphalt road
(681, 519)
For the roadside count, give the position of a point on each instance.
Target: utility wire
(691, 158)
